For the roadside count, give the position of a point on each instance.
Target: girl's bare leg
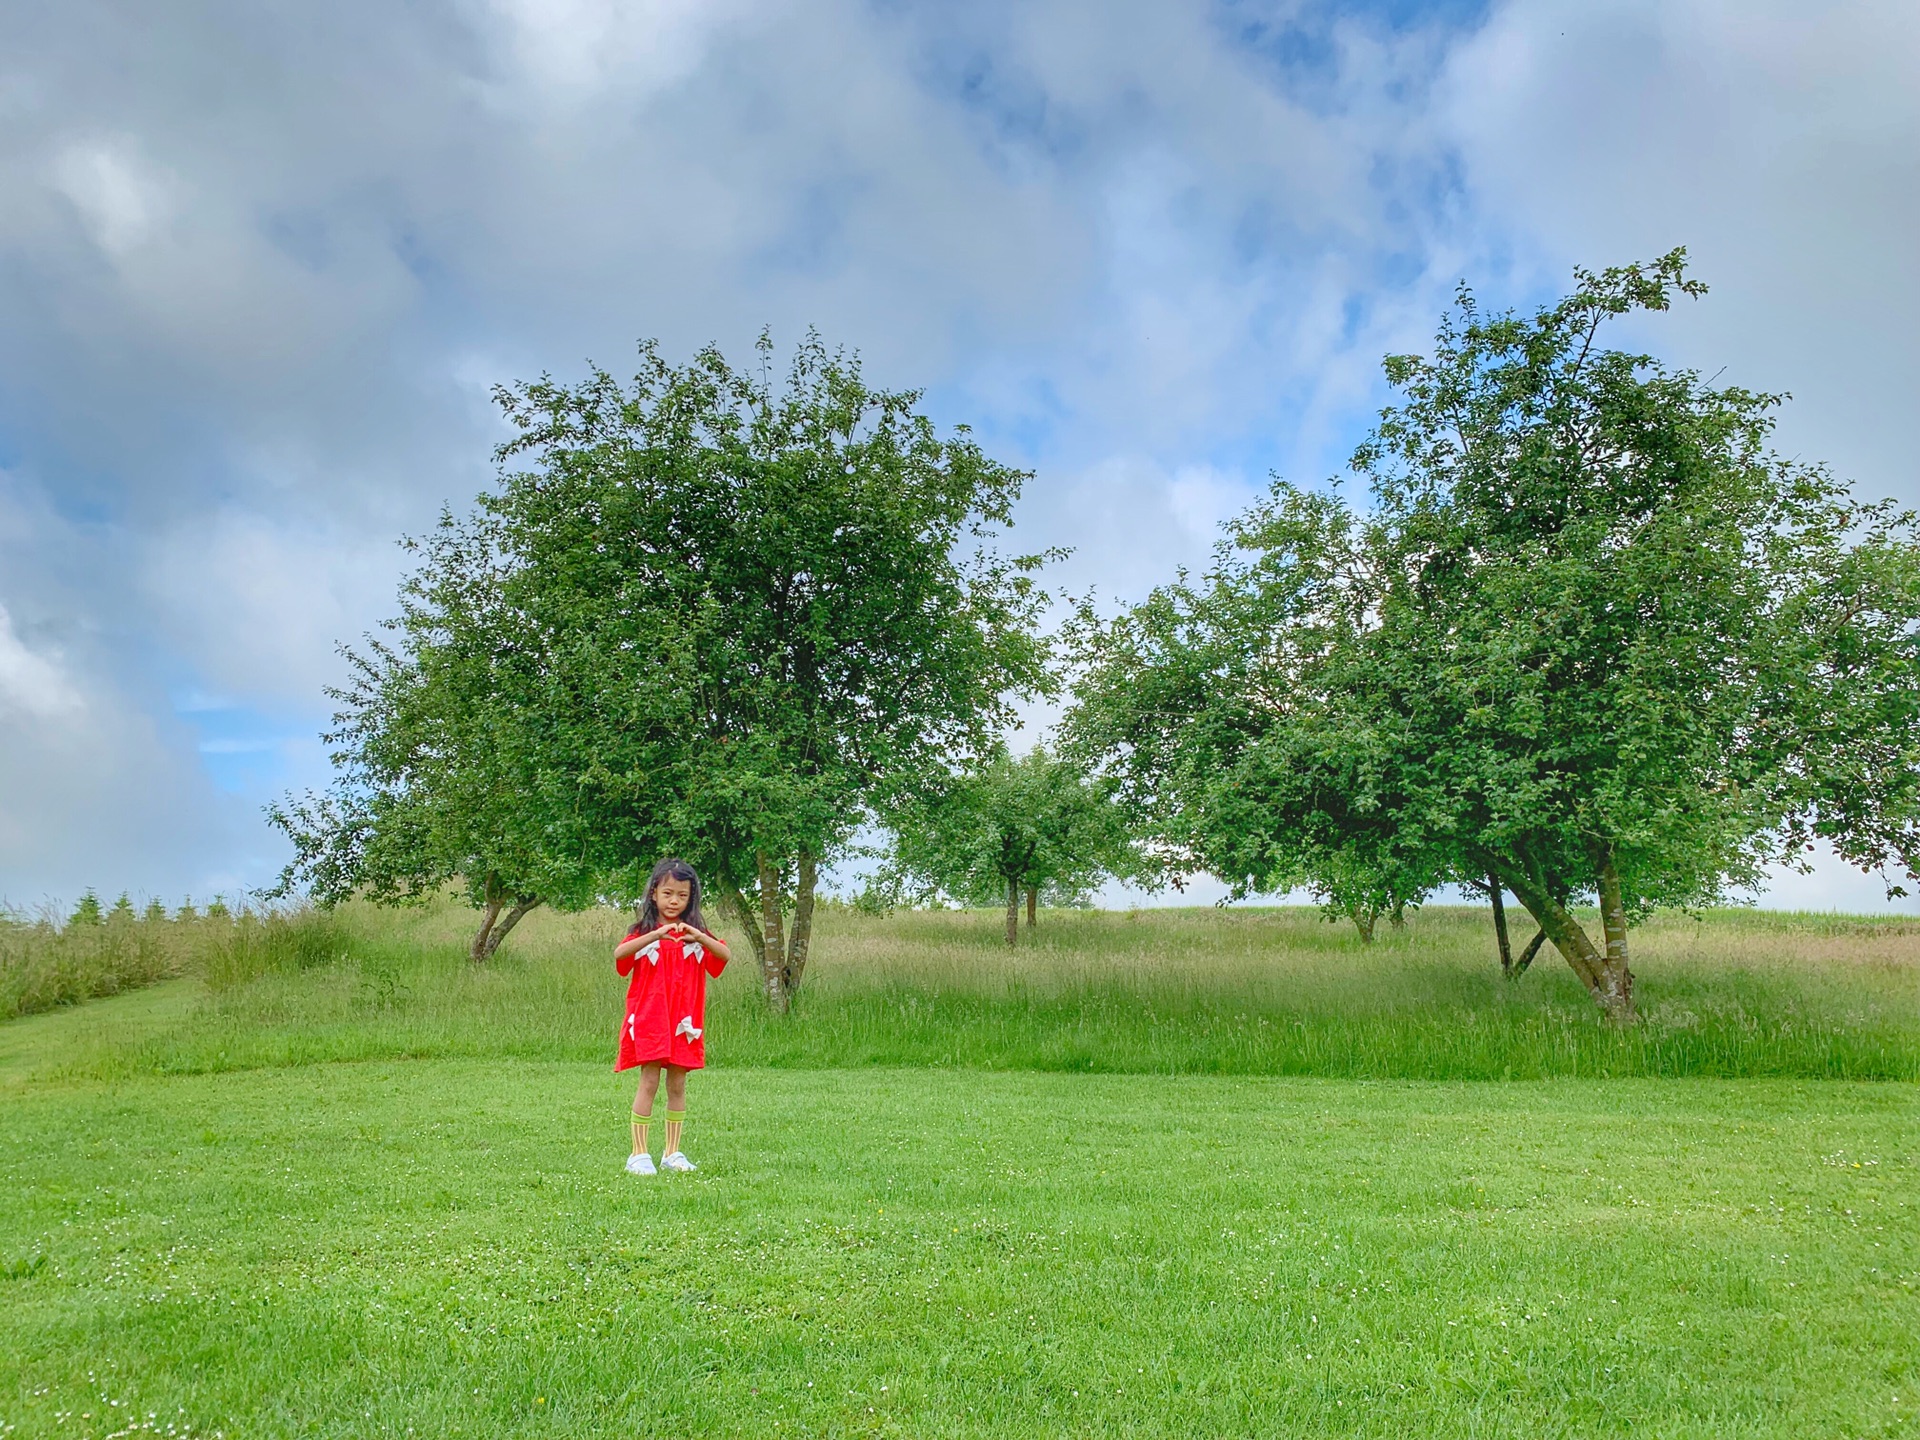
(676, 1106)
(643, 1103)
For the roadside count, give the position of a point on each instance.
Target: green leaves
(1033, 822)
(1591, 635)
(766, 607)
(697, 617)
(1220, 711)
(449, 752)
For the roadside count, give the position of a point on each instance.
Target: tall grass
(275, 943)
(45, 963)
(1279, 992)
(1245, 991)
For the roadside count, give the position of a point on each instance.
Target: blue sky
(260, 265)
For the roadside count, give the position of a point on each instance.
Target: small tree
(1010, 827)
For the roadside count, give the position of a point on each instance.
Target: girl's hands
(679, 928)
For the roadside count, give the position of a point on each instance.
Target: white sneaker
(677, 1163)
(641, 1164)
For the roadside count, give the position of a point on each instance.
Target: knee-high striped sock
(675, 1120)
(640, 1124)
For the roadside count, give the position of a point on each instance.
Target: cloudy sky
(261, 262)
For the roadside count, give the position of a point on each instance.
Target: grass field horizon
(1256, 991)
(1190, 1173)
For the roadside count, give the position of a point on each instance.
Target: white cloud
(1780, 142)
(119, 202)
(258, 270)
(261, 605)
(1832, 884)
(1202, 498)
(31, 685)
(1131, 522)
(579, 48)
(97, 792)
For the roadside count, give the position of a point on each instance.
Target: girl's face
(670, 896)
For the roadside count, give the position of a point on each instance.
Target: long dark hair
(671, 869)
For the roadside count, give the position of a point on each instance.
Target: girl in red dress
(669, 952)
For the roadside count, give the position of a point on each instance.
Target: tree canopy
(1007, 826)
(700, 615)
(1592, 640)
(450, 756)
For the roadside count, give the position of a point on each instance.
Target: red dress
(666, 1003)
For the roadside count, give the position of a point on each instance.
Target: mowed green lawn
(451, 1247)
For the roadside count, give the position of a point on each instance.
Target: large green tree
(1008, 826)
(1593, 641)
(765, 605)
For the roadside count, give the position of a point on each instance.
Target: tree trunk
(1615, 976)
(1013, 912)
(1496, 889)
(521, 905)
(749, 922)
(1033, 905)
(801, 936)
(484, 941)
(479, 950)
(1571, 941)
(1399, 917)
(1363, 917)
(773, 951)
(1526, 955)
